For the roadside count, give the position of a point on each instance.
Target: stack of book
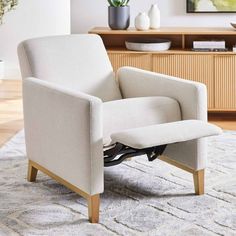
(209, 46)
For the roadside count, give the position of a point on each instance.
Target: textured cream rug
(140, 198)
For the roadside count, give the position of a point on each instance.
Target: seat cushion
(131, 113)
(168, 133)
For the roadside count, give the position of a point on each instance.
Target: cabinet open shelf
(215, 69)
(181, 38)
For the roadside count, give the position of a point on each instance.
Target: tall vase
(119, 17)
(155, 17)
(142, 21)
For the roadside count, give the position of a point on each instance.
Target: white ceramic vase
(1, 69)
(142, 21)
(155, 17)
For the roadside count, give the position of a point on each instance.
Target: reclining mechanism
(152, 140)
(118, 153)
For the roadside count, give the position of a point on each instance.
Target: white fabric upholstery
(167, 133)
(74, 99)
(192, 97)
(64, 133)
(138, 112)
(76, 62)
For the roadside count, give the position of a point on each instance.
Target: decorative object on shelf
(233, 24)
(152, 45)
(5, 6)
(142, 21)
(209, 44)
(211, 6)
(1, 69)
(234, 48)
(155, 17)
(118, 14)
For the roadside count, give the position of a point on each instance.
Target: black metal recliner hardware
(118, 153)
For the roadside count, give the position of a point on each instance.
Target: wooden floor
(11, 117)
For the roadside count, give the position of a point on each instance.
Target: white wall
(32, 18)
(90, 13)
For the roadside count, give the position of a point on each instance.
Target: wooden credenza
(215, 69)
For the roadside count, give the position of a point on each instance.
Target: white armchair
(73, 107)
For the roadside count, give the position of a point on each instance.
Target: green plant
(118, 3)
(5, 6)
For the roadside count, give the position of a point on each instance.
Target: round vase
(119, 17)
(1, 69)
(155, 17)
(142, 21)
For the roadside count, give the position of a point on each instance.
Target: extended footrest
(152, 140)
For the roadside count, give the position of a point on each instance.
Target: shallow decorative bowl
(233, 24)
(150, 45)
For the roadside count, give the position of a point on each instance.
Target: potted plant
(119, 14)
(5, 5)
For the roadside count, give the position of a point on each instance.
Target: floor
(11, 112)
(140, 198)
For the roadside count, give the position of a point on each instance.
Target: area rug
(140, 198)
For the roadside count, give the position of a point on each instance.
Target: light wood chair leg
(198, 178)
(32, 173)
(93, 208)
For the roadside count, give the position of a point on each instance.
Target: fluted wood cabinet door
(225, 82)
(194, 67)
(139, 60)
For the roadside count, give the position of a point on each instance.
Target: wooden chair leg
(32, 173)
(93, 208)
(198, 178)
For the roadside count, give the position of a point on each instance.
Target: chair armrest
(192, 96)
(64, 133)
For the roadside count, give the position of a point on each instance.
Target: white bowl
(150, 45)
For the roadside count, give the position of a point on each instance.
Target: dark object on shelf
(119, 17)
(210, 49)
(233, 24)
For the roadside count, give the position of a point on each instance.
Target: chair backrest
(78, 62)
